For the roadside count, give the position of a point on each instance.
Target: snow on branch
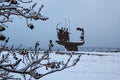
(7, 10)
(29, 63)
(35, 63)
(11, 8)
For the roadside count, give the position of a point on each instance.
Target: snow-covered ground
(92, 66)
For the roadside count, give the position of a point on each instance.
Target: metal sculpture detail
(64, 39)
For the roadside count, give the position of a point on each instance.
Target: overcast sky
(100, 19)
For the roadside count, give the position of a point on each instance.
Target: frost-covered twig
(16, 9)
(32, 60)
(31, 66)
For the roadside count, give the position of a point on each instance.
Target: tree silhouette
(27, 63)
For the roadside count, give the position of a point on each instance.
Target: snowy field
(92, 66)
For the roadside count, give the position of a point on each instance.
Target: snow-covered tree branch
(32, 62)
(14, 8)
(27, 63)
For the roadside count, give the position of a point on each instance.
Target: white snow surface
(92, 66)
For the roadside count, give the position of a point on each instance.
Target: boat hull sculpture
(64, 40)
(70, 46)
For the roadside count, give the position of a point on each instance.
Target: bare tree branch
(33, 59)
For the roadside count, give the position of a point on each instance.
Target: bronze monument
(64, 39)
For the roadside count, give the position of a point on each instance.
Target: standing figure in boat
(66, 35)
(63, 34)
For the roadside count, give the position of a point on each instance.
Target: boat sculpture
(63, 36)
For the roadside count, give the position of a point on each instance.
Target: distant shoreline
(90, 49)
